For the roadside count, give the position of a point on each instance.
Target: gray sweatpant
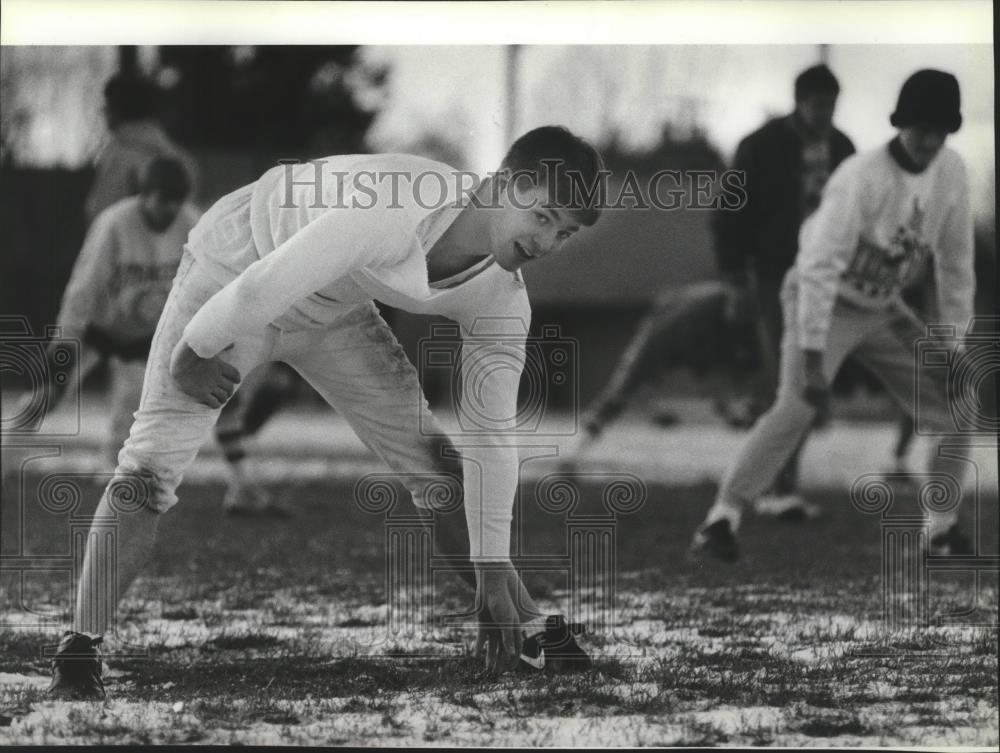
(883, 341)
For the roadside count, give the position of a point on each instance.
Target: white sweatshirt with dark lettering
(874, 229)
(330, 234)
(122, 277)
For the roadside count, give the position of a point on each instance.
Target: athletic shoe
(952, 541)
(555, 648)
(716, 540)
(76, 668)
(788, 508)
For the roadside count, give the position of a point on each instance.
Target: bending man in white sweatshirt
(289, 269)
(882, 213)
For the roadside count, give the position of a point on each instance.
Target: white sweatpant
(883, 341)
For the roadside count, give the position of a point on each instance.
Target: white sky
(701, 58)
(459, 93)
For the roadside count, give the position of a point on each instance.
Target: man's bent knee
(134, 488)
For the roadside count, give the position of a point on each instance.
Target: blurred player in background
(694, 327)
(883, 214)
(262, 392)
(119, 284)
(113, 301)
(132, 107)
(786, 164)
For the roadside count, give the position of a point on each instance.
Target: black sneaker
(555, 648)
(76, 668)
(952, 541)
(716, 540)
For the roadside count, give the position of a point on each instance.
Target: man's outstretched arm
(492, 362)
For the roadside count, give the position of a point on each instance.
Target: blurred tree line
(300, 101)
(672, 151)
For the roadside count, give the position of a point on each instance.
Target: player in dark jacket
(786, 163)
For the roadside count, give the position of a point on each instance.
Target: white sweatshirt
(875, 227)
(122, 277)
(351, 238)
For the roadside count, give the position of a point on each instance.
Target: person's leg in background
(629, 372)
(889, 353)
(777, 433)
(904, 440)
(921, 299)
(767, 299)
(261, 394)
(277, 387)
(783, 500)
(126, 378)
(680, 328)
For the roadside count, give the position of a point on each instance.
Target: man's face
(922, 143)
(525, 228)
(816, 111)
(158, 211)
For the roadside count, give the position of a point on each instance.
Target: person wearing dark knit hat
(928, 109)
(885, 215)
(929, 97)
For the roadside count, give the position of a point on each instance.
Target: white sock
(534, 625)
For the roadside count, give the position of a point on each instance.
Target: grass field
(276, 632)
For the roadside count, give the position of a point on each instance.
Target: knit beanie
(929, 97)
